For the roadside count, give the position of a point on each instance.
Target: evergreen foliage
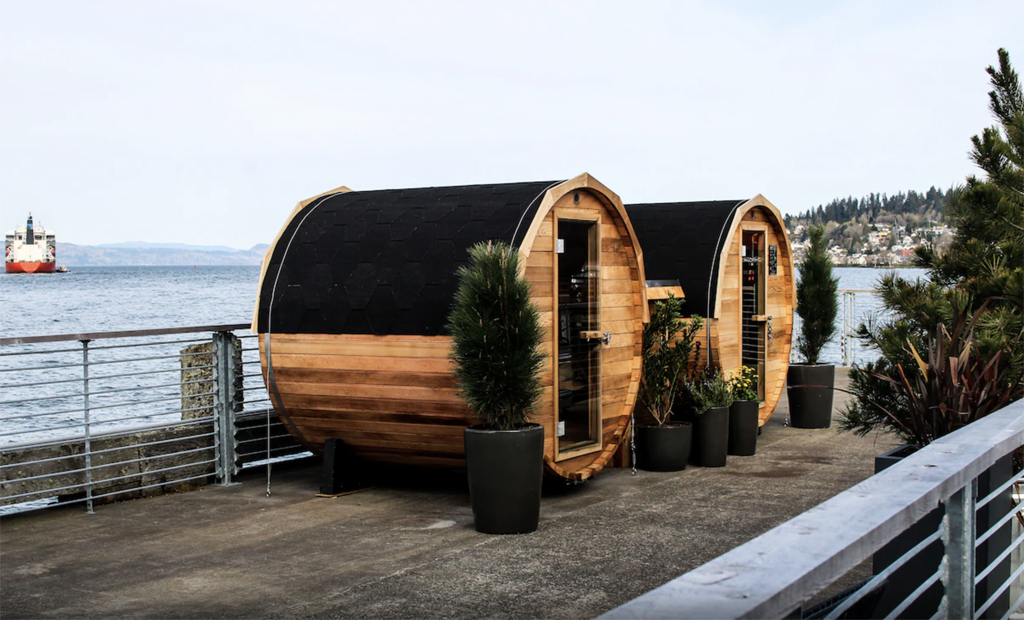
(925, 206)
(668, 343)
(981, 275)
(816, 302)
(496, 335)
(986, 258)
(849, 221)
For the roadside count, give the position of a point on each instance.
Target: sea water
(865, 307)
(42, 394)
(98, 299)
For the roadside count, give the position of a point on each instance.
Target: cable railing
(106, 420)
(944, 527)
(856, 306)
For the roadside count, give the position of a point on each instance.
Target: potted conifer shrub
(662, 445)
(711, 397)
(496, 335)
(809, 385)
(743, 413)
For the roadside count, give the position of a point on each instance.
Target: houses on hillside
(883, 245)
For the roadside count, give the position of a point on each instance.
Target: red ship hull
(30, 267)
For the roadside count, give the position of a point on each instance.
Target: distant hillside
(88, 256)
(146, 245)
(877, 228)
(910, 210)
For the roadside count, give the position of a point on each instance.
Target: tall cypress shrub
(816, 298)
(496, 334)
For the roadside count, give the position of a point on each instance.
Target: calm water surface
(865, 305)
(92, 299)
(42, 395)
(96, 299)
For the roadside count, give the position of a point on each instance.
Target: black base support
(341, 468)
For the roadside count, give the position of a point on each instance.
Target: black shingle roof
(682, 241)
(384, 262)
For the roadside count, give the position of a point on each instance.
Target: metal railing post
(846, 340)
(842, 335)
(853, 317)
(224, 407)
(88, 434)
(958, 563)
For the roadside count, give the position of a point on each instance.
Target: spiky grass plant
(668, 343)
(816, 298)
(496, 334)
(948, 385)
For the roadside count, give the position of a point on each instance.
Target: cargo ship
(28, 249)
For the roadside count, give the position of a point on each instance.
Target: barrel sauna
(732, 261)
(355, 292)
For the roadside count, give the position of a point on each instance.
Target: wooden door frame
(761, 227)
(578, 215)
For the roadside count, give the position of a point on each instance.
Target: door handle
(604, 337)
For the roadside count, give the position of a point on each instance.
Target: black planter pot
(711, 437)
(743, 427)
(663, 448)
(809, 388)
(909, 576)
(918, 569)
(505, 471)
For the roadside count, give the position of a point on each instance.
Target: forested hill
(913, 209)
(878, 228)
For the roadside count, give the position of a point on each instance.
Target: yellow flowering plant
(743, 383)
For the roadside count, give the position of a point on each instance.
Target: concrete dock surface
(407, 548)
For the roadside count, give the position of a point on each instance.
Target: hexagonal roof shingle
(384, 262)
(682, 241)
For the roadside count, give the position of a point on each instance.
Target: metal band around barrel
(271, 382)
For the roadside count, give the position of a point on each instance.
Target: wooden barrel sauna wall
(355, 292)
(734, 264)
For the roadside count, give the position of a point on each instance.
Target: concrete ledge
(150, 450)
(110, 472)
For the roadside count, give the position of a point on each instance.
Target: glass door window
(753, 325)
(579, 343)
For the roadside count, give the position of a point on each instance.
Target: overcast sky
(205, 122)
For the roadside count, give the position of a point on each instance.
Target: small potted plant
(496, 335)
(743, 413)
(662, 445)
(809, 385)
(711, 396)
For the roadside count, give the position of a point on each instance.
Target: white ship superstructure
(30, 249)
